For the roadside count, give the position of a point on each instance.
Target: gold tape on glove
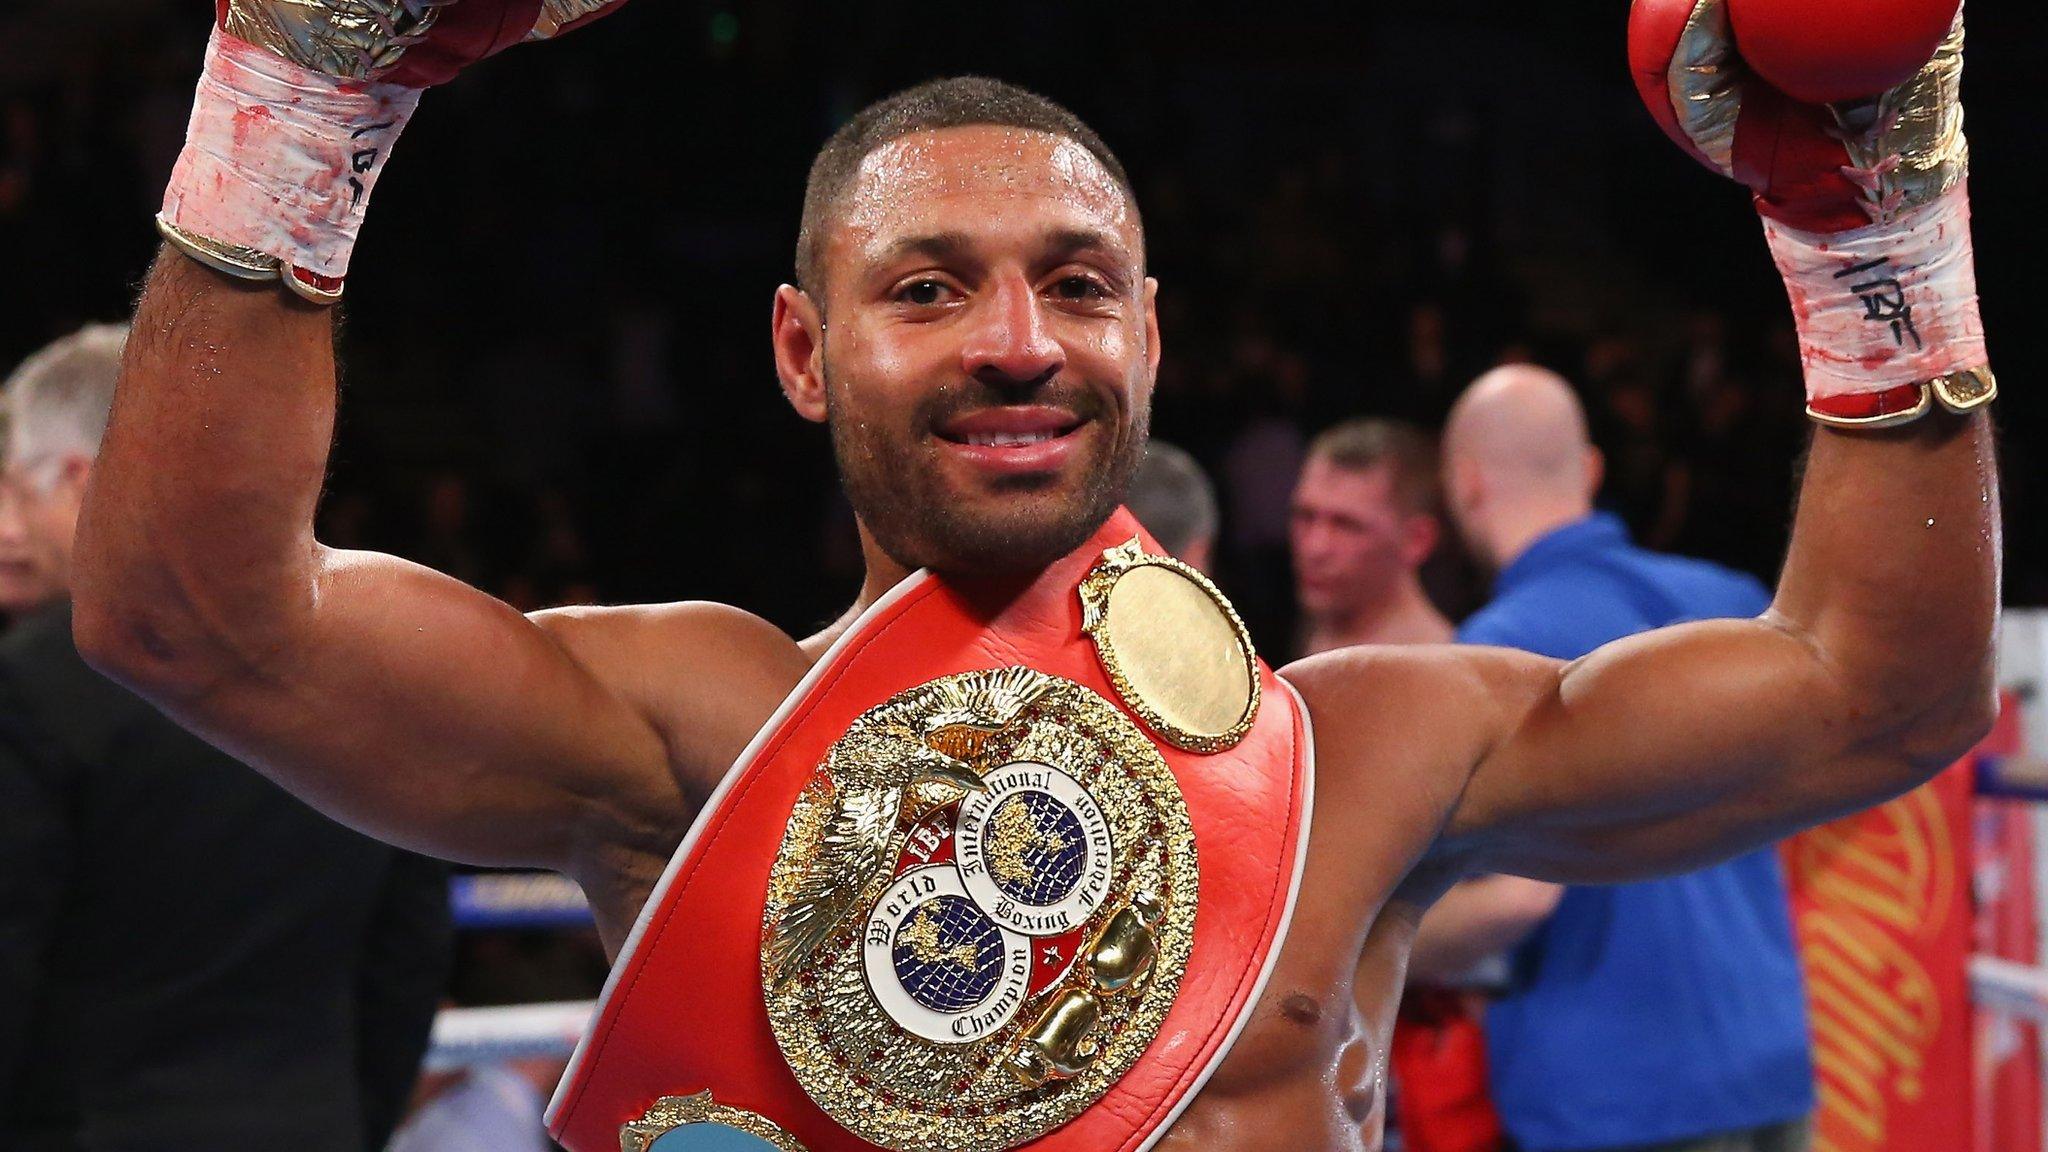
(556, 14)
(1912, 150)
(351, 39)
(1706, 84)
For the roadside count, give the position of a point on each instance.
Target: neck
(1525, 526)
(989, 591)
(1405, 617)
(883, 572)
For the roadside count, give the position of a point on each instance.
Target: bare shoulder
(707, 676)
(1405, 726)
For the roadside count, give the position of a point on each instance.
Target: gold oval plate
(1173, 648)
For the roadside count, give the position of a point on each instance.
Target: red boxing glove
(410, 43)
(297, 110)
(1864, 202)
(1826, 51)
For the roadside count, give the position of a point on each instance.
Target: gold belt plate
(980, 913)
(1173, 648)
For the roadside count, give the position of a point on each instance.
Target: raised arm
(1871, 672)
(1873, 668)
(390, 696)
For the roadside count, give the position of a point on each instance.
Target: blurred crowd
(573, 403)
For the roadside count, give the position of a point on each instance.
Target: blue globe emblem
(948, 954)
(1035, 849)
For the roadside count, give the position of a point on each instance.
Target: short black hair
(953, 102)
(1406, 450)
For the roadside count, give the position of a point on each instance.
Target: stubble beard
(919, 524)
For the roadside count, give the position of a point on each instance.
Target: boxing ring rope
(511, 900)
(517, 900)
(2015, 989)
(466, 1036)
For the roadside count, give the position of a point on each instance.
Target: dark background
(557, 377)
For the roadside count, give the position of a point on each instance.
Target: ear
(1420, 534)
(67, 490)
(1467, 488)
(1152, 349)
(73, 472)
(799, 340)
(1596, 471)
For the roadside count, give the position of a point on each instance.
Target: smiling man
(1021, 852)
(967, 446)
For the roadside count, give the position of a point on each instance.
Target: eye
(924, 292)
(1077, 287)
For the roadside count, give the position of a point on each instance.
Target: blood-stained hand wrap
(1884, 309)
(278, 166)
(1865, 202)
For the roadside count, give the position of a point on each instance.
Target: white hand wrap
(280, 159)
(1884, 306)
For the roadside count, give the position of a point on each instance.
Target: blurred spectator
(1173, 498)
(1364, 520)
(1742, 441)
(28, 579)
(190, 958)
(1724, 1061)
(1259, 469)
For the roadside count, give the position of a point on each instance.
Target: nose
(1011, 342)
(1311, 539)
(10, 515)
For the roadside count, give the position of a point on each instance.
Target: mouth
(1316, 582)
(1012, 441)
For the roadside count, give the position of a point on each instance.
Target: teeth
(1007, 439)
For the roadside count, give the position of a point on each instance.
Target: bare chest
(1309, 1072)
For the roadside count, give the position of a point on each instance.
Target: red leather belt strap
(684, 1009)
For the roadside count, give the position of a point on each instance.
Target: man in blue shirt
(1667, 1014)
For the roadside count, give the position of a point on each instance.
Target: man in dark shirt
(190, 958)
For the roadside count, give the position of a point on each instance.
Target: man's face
(39, 502)
(1351, 539)
(988, 347)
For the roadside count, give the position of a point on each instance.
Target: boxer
(973, 320)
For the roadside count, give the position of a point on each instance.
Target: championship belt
(1009, 868)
